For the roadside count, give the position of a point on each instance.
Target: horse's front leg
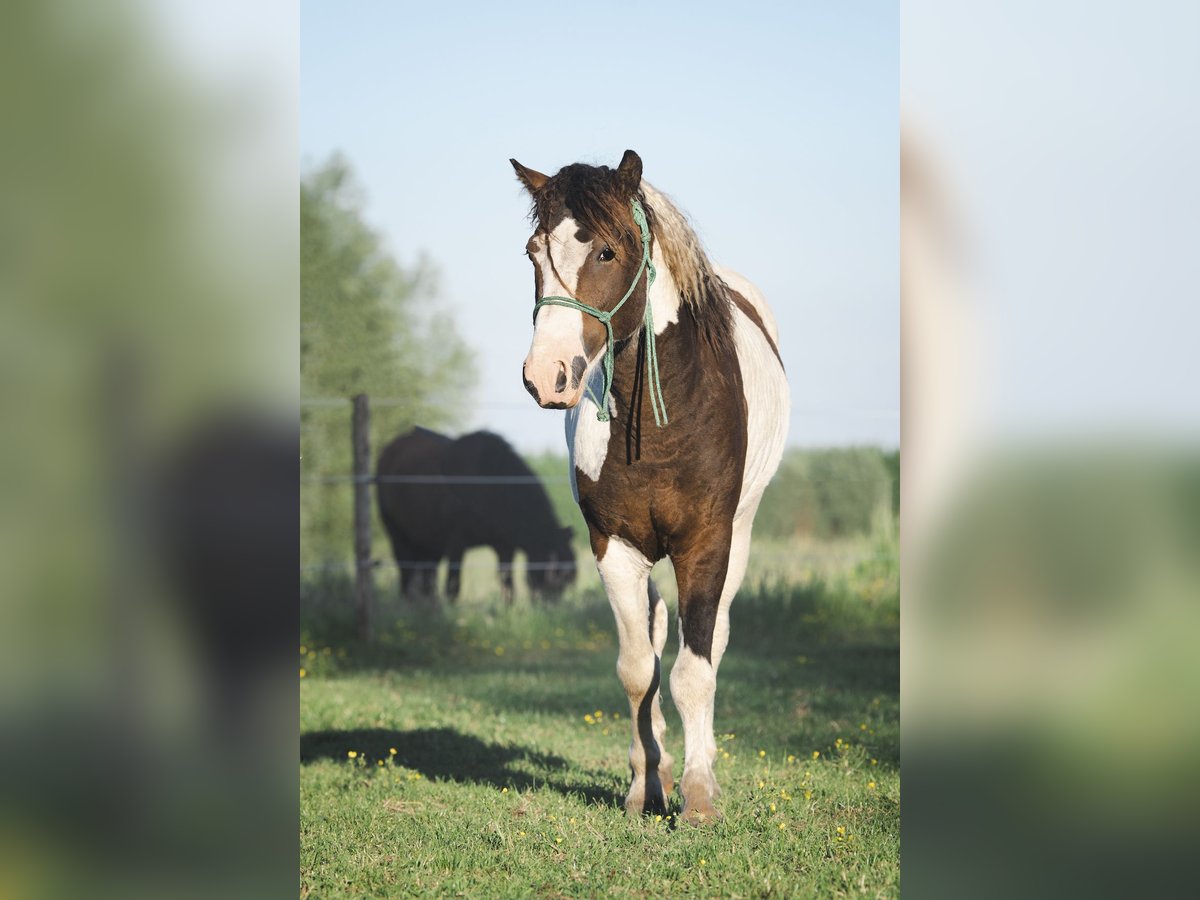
(708, 574)
(454, 561)
(504, 568)
(641, 619)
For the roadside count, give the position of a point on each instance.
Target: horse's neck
(674, 347)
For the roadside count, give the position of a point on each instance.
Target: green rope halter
(657, 404)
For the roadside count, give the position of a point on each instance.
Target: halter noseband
(657, 404)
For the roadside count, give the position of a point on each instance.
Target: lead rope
(657, 404)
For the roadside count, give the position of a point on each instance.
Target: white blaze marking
(558, 330)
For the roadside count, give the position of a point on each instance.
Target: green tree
(829, 493)
(367, 325)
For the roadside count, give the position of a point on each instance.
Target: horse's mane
(599, 203)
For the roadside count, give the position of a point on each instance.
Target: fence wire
(402, 403)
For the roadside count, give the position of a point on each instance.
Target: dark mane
(598, 200)
(595, 196)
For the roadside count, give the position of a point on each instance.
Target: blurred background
(1050, 552)
(148, 351)
(150, 277)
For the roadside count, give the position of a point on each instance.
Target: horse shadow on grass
(443, 754)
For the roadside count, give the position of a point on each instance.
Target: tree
(366, 325)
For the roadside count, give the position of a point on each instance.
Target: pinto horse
(677, 412)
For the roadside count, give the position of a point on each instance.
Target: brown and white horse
(688, 489)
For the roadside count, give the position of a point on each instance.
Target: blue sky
(774, 126)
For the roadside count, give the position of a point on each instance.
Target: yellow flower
(499, 651)
(772, 807)
(762, 784)
(816, 754)
(303, 672)
(380, 762)
(616, 715)
(785, 795)
(588, 718)
(303, 650)
(558, 840)
(520, 834)
(871, 785)
(791, 758)
(353, 754)
(782, 825)
(874, 762)
(703, 861)
(762, 752)
(599, 714)
(658, 818)
(808, 795)
(862, 726)
(392, 751)
(504, 790)
(841, 829)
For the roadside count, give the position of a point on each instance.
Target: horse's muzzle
(553, 386)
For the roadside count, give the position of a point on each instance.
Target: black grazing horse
(436, 500)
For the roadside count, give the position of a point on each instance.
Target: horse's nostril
(560, 383)
(531, 387)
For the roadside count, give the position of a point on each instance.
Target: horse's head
(554, 569)
(586, 246)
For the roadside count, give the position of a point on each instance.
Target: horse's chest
(654, 495)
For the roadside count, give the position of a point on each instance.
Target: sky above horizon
(776, 131)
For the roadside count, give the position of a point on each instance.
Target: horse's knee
(638, 671)
(693, 681)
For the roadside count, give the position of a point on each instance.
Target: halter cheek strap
(657, 404)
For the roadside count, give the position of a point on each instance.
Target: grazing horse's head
(585, 246)
(554, 568)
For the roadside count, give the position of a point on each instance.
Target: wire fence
(404, 403)
(364, 562)
(434, 479)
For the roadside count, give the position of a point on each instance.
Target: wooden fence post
(363, 582)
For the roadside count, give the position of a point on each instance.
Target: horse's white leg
(626, 574)
(658, 638)
(694, 677)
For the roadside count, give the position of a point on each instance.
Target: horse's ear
(533, 180)
(630, 170)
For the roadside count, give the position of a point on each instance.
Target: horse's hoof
(700, 814)
(648, 805)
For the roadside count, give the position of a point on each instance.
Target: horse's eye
(606, 255)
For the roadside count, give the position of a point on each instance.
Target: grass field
(483, 751)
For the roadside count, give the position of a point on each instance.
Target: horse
(631, 314)
(436, 502)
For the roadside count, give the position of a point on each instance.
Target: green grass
(505, 782)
